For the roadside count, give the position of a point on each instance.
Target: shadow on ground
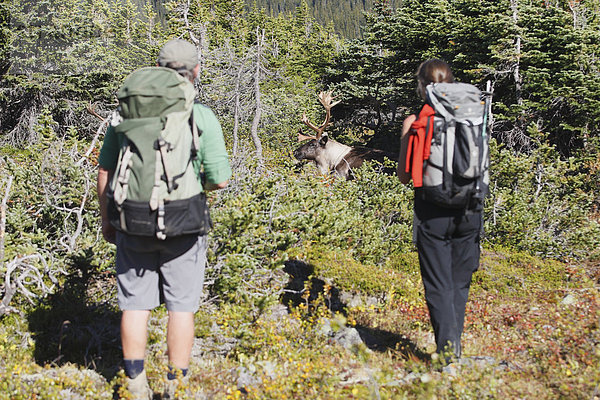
(301, 277)
(79, 323)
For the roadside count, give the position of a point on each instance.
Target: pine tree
(65, 54)
(5, 36)
(540, 58)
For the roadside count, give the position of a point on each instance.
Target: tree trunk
(514, 4)
(260, 37)
(574, 6)
(236, 109)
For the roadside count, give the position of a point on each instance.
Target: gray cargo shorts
(152, 271)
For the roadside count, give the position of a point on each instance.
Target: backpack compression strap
(195, 136)
(122, 186)
(161, 148)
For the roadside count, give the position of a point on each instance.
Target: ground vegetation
(313, 289)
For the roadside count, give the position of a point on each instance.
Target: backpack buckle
(160, 222)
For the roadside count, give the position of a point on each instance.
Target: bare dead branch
(22, 274)
(3, 217)
(260, 39)
(101, 128)
(193, 37)
(69, 240)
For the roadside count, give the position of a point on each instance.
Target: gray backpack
(155, 190)
(456, 174)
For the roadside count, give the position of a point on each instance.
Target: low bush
(542, 204)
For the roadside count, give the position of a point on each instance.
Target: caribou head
(330, 156)
(324, 152)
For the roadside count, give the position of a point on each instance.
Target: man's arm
(402, 174)
(215, 161)
(215, 186)
(104, 176)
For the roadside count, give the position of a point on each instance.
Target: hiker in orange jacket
(447, 239)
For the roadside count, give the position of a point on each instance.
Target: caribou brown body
(330, 156)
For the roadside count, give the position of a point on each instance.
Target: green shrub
(259, 219)
(541, 204)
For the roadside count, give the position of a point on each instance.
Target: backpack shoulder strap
(196, 132)
(198, 115)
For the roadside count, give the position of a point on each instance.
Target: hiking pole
(487, 106)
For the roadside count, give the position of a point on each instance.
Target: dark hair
(181, 69)
(434, 71)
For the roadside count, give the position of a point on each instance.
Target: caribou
(330, 156)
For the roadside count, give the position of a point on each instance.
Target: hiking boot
(138, 387)
(176, 388)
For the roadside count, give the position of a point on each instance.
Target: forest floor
(339, 330)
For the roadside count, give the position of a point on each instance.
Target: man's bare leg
(180, 338)
(134, 333)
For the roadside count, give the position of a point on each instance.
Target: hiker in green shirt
(163, 268)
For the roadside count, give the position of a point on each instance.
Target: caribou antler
(90, 109)
(326, 98)
(302, 136)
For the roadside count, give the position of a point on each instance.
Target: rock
(479, 362)
(355, 300)
(568, 300)
(351, 300)
(276, 312)
(426, 378)
(246, 378)
(99, 383)
(356, 376)
(348, 338)
(324, 327)
(371, 301)
(408, 379)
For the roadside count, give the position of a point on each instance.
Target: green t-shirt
(212, 159)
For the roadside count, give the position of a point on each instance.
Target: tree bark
(514, 5)
(237, 106)
(260, 37)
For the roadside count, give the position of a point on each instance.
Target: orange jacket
(419, 144)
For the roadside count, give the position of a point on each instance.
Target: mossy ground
(535, 321)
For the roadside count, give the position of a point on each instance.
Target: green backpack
(155, 190)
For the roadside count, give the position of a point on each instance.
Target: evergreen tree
(64, 55)
(560, 81)
(345, 16)
(539, 57)
(5, 36)
(366, 74)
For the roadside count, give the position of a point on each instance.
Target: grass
(536, 321)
